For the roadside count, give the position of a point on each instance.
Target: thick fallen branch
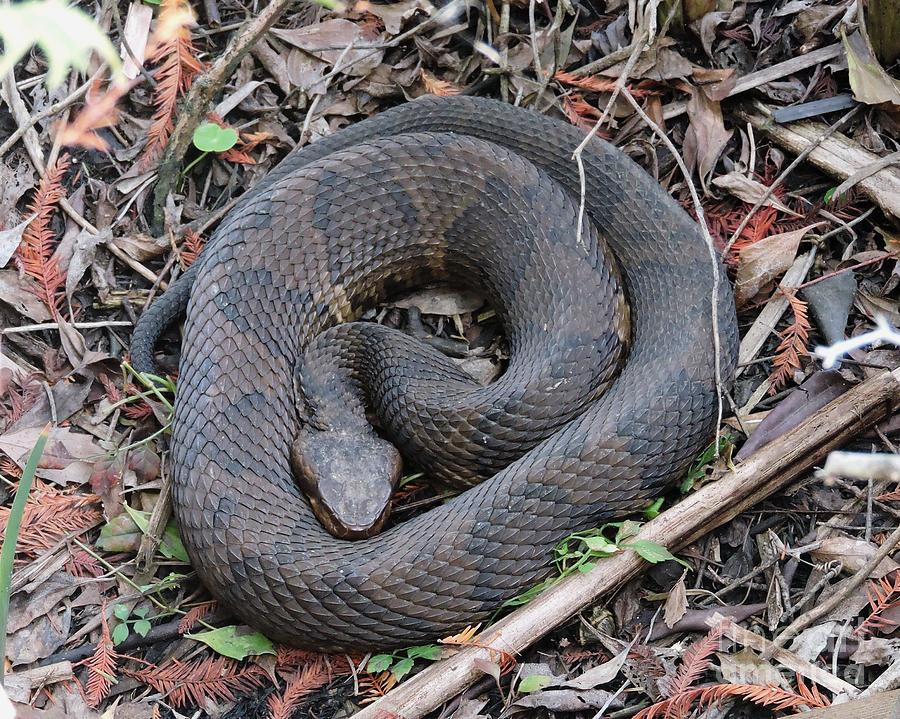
(838, 156)
(762, 474)
(880, 706)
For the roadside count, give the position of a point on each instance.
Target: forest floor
(106, 621)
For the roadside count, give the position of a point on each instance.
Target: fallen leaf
(83, 254)
(868, 79)
(853, 554)
(876, 652)
(750, 191)
(567, 700)
(745, 667)
(599, 675)
(11, 239)
(20, 293)
(236, 642)
(442, 301)
(392, 14)
(706, 136)
(676, 603)
(764, 261)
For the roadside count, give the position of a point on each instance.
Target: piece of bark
(716, 503)
(880, 706)
(837, 156)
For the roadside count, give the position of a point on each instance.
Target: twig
(784, 173)
(836, 598)
(576, 155)
(198, 99)
(76, 325)
(713, 255)
(716, 503)
(784, 657)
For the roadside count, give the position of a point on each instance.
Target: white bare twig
(884, 332)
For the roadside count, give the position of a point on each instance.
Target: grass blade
(11, 536)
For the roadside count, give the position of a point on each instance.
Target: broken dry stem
(716, 503)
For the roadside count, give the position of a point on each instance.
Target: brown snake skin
(485, 194)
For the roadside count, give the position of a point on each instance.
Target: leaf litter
(91, 630)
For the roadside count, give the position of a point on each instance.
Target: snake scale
(472, 191)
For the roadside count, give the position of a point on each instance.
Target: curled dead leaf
(765, 260)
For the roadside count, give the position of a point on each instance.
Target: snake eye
(348, 477)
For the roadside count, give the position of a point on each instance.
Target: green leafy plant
(139, 623)
(534, 683)
(698, 470)
(11, 535)
(579, 551)
(210, 137)
(66, 34)
(235, 642)
(401, 663)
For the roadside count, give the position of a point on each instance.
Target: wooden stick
(880, 706)
(838, 156)
(716, 503)
(197, 102)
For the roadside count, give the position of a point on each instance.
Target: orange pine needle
(313, 676)
(793, 343)
(101, 666)
(192, 683)
(171, 45)
(35, 254)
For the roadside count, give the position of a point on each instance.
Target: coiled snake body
(473, 191)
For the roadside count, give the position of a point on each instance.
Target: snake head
(348, 477)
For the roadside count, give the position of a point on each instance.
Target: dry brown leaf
(713, 82)
(676, 604)
(327, 41)
(391, 14)
(706, 136)
(868, 80)
(765, 260)
(136, 33)
(21, 293)
(853, 554)
(745, 667)
(750, 191)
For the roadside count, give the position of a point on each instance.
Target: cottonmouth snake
(474, 191)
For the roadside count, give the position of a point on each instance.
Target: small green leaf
(627, 529)
(534, 683)
(120, 633)
(652, 512)
(829, 196)
(402, 668)
(431, 652)
(142, 626)
(119, 534)
(586, 567)
(379, 663)
(236, 642)
(651, 551)
(600, 545)
(141, 612)
(171, 546)
(120, 611)
(209, 137)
